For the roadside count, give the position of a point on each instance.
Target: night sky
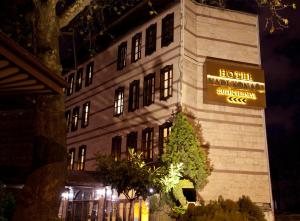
(281, 61)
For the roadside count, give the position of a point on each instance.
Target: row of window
(147, 142)
(167, 36)
(80, 163)
(74, 121)
(75, 82)
(166, 89)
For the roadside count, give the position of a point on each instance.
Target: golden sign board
(233, 83)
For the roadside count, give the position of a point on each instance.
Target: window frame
(85, 114)
(166, 82)
(81, 158)
(131, 139)
(78, 81)
(71, 79)
(149, 89)
(136, 47)
(116, 147)
(134, 95)
(68, 119)
(75, 113)
(71, 159)
(162, 139)
(118, 91)
(167, 30)
(147, 144)
(89, 73)
(150, 45)
(122, 55)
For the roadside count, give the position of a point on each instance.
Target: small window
(116, 148)
(167, 30)
(134, 93)
(149, 89)
(70, 84)
(119, 101)
(81, 157)
(68, 118)
(75, 118)
(164, 134)
(89, 74)
(131, 142)
(136, 47)
(78, 84)
(85, 114)
(122, 54)
(71, 159)
(166, 82)
(150, 39)
(147, 143)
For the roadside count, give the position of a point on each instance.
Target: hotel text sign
(233, 83)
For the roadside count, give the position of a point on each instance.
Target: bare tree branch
(72, 11)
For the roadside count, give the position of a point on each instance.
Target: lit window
(150, 39)
(71, 159)
(78, 79)
(70, 84)
(122, 54)
(85, 114)
(134, 93)
(166, 82)
(149, 89)
(68, 117)
(116, 148)
(89, 74)
(167, 30)
(119, 101)
(131, 142)
(136, 47)
(75, 118)
(164, 133)
(147, 143)
(81, 157)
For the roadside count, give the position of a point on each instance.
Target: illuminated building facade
(205, 60)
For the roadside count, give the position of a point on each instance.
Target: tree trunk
(41, 194)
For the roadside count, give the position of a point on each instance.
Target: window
(116, 148)
(150, 39)
(149, 89)
(71, 159)
(134, 93)
(167, 30)
(70, 84)
(68, 117)
(85, 114)
(136, 47)
(131, 142)
(78, 79)
(166, 82)
(81, 157)
(164, 133)
(119, 101)
(89, 74)
(122, 50)
(147, 143)
(75, 118)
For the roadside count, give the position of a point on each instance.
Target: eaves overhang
(23, 73)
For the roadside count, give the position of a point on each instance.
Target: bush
(224, 210)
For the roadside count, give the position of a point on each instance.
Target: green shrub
(224, 210)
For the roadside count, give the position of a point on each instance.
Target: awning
(21, 72)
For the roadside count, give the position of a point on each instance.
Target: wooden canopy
(21, 72)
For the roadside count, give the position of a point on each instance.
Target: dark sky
(281, 61)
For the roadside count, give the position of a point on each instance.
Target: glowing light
(151, 190)
(65, 195)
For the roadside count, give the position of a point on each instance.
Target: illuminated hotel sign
(234, 83)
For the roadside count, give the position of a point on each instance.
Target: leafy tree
(184, 147)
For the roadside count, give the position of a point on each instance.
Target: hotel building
(203, 59)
